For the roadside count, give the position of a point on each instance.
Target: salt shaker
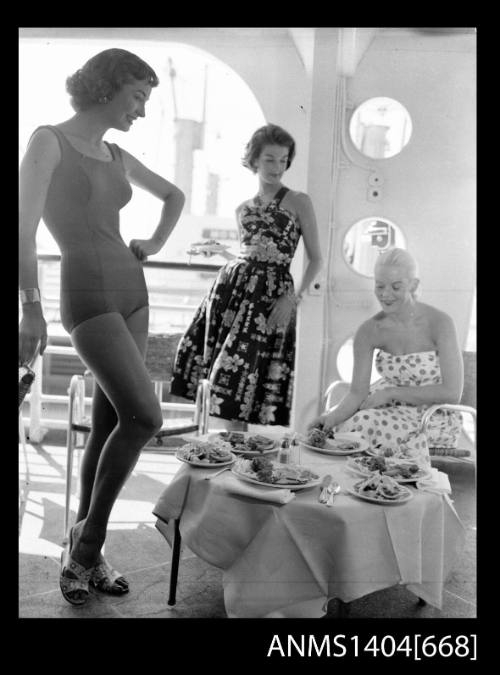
(284, 450)
(294, 450)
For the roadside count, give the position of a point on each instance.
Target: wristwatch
(29, 295)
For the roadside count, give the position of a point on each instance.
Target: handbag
(26, 377)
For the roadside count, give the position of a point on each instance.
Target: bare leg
(104, 420)
(113, 350)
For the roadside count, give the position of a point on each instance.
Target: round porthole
(366, 239)
(345, 362)
(380, 127)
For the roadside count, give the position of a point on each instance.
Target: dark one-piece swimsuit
(99, 273)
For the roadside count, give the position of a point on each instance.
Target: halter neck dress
(396, 426)
(250, 367)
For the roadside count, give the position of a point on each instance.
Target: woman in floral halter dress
(419, 359)
(242, 337)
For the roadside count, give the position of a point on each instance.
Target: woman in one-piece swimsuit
(78, 183)
(419, 358)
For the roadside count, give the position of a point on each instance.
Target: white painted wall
(429, 189)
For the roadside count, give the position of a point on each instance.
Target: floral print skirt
(250, 368)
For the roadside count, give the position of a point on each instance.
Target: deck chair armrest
(426, 417)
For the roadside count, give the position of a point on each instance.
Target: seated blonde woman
(420, 363)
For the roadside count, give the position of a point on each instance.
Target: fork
(217, 473)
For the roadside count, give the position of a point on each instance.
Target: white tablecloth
(288, 559)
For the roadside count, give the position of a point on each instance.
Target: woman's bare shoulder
(44, 136)
(378, 321)
(434, 315)
(297, 198)
(300, 205)
(440, 323)
(367, 331)
(374, 331)
(43, 148)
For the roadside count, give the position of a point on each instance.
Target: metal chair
(467, 405)
(336, 390)
(159, 362)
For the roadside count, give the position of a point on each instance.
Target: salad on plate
(207, 453)
(247, 444)
(402, 471)
(274, 474)
(381, 489)
(328, 441)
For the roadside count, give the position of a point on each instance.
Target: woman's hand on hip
(141, 248)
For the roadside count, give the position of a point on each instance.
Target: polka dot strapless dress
(396, 425)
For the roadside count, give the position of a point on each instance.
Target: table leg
(176, 552)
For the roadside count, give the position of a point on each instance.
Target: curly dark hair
(104, 75)
(271, 134)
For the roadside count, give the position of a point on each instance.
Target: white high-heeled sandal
(80, 582)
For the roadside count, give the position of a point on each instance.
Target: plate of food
(262, 471)
(207, 246)
(380, 451)
(206, 454)
(380, 489)
(386, 451)
(329, 442)
(246, 444)
(393, 454)
(401, 470)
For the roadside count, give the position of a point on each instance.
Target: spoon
(332, 490)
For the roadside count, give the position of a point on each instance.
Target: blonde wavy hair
(399, 257)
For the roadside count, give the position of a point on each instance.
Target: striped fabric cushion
(449, 452)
